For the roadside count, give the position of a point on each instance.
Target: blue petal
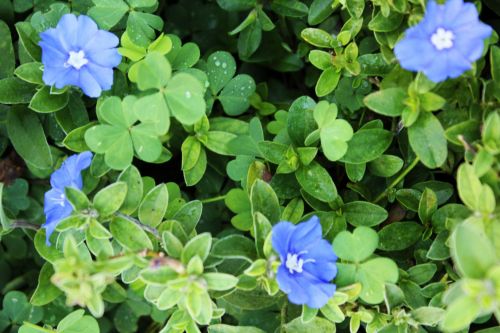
(107, 58)
(453, 9)
(69, 25)
(448, 64)
(305, 234)
(103, 75)
(415, 54)
(322, 270)
(87, 28)
(280, 238)
(89, 84)
(51, 75)
(53, 38)
(288, 284)
(69, 174)
(320, 250)
(468, 15)
(55, 208)
(67, 78)
(319, 294)
(101, 40)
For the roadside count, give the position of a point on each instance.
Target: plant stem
(283, 316)
(214, 199)
(25, 225)
(397, 180)
(140, 224)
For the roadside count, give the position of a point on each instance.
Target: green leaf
(16, 91)
(471, 250)
(399, 235)
(77, 198)
(184, 96)
(153, 72)
(249, 40)
(154, 205)
(45, 291)
(197, 246)
(363, 213)
(427, 205)
(327, 82)
(290, 8)
(264, 200)
(107, 13)
(18, 309)
(30, 72)
(469, 186)
(423, 273)
(141, 27)
(321, 60)
(28, 138)
(385, 165)
(27, 35)
(219, 142)
(110, 199)
(234, 247)
(316, 181)
(8, 62)
(315, 325)
(236, 5)
(172, 244)
(334, 138)
(75, 322)
(428, 141)
(300, 121)
(387, 102)
(132, 178)
(221, 67)
(319, 10)
(460, 314)
(317, 37)
(367, 145)
(235, 95)
(129, 235)
(220, 281)
(373, 275)
(223, 328)
(45, 102)
(356, 246)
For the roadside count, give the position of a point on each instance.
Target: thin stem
(25, 225)
(140, 224)
(214, 199)
(397, 180)
(283, 316)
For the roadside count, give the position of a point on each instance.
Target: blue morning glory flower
(56, 206)
(307, 262)
(445, 43)
(77, 53)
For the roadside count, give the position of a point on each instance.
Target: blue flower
(445, 43)
(307, 262)
(56, 206)
(77, 53)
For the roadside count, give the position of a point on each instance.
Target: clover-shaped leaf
(334, 133)
(236, 92)
(180, 95)
(356, 246)
(117, 137)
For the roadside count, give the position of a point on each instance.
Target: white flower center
(76, 59)
(61, 200)
(294, 263)
(442, 39)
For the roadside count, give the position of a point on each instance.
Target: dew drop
(224, 65)
(217, 63)
(188, 94)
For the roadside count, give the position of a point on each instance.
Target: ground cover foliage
(223, 119)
